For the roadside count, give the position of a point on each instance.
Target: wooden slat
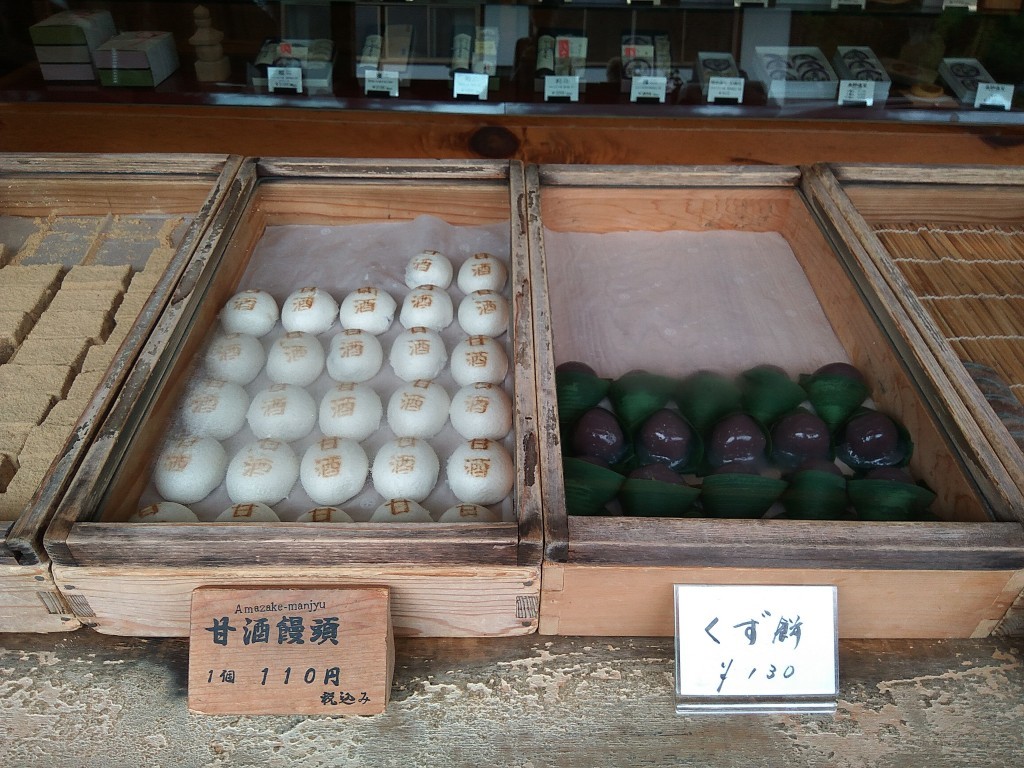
(937, 174)
(796, 543)
(692, 176)
(286, 201)
(452, 601)
(383, 169)
(99, 195)
(296, 544)
(986, 204)
(121, 164)
(528, 495)
(614, 601)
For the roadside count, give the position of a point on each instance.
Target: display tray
(339, 226)
(90, 248)
(673, 271)
(948, 244)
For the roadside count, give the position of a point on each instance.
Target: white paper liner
(677, 302)
(341, 259)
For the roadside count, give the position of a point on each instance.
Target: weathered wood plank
(454, 601)
(637, 600)
(797, 543)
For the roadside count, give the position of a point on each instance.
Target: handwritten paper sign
(993, 95)
(562, 87)
(648, 89)
(289, 78)
(470, 84)
(381, 82)
(327, 651)
(856, 93)
(725, 89)
(756, 648)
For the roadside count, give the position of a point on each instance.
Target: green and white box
(65, 43)
(137, 59)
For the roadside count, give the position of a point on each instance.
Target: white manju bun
(480, 472)
(310, 309)
(214, 408)
(325, 515)
(405, 468)
(235, 357)
(479, 358)
(249, 512)
(189, 469)
(333, 470)
(369, 309)
(418, 353)
(484, 313)
(429, 268)
(418, 409)
(481, 409)
(263, 471)
(295, 358)
(352, 410)
(354, 355)
(400, 511)
(482, 272)
(282, 412)
(427, 307)
(164, 512)
(253, 311)
(468, 513)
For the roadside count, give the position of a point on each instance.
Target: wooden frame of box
(60, 187)
(938, 241)
(446, 579)
(614, 575)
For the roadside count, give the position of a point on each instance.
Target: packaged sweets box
(143, 59)
(65, 43)
(315, 58)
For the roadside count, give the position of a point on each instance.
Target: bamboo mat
(971, 281)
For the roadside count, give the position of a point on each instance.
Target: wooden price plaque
(279, 651)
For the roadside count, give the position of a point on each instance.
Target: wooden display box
(453, 579)
(91, 247)
(613, 575)
(946, 245)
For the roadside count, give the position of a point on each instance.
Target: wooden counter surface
(278, 131)
(83, 700)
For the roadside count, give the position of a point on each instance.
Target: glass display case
(908, 60)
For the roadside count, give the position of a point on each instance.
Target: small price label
(856, 92)
(648, 89)
(848, 3)
(289, 78)
(756, 648)
(470, 84)
(282, 651)
(563, 87)
(993, 96)
(970, 5)
(381, 81)
(725, 89)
